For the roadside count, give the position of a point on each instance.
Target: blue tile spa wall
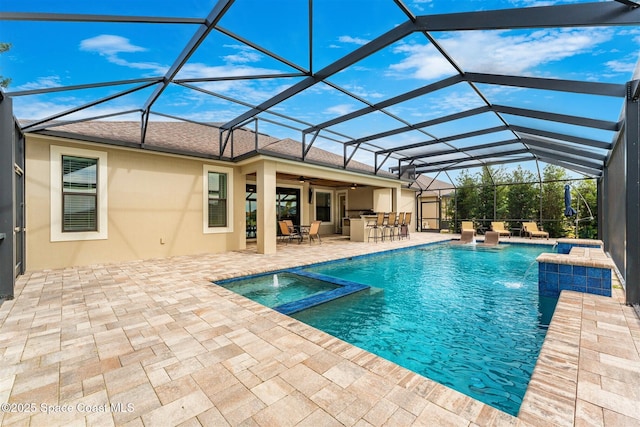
(553, 278)
(565, 248)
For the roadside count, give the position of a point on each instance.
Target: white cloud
(339, 109)
(363, 92)
(244, 55)
(498, 52)
(36, 108)
(249, 91)
(42, 83)
(621, 67)
(110, 46)
(151, 66)
(420, 4)
(354, 40)
(199, 70)
(421, 62)
(107, 44)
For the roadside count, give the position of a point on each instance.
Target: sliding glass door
(287, 207)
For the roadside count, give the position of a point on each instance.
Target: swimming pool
(466, 317)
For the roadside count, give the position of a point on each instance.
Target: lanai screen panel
(366, 80)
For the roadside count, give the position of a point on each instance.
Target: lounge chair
(531, 229)
(467, 225)
(289, 233)
(491, 238)
(314, 231)
(500, 228)
(465, 238)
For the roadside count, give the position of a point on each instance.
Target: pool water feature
(293, 290)
(273, 290)
(468, 318)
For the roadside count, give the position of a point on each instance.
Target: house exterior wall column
(266, 219)
(239, 237)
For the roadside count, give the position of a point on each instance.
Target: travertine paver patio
(158, 339)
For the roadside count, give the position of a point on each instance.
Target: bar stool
(404, 228)
(376, 227)
(400, 222)
(391, 225)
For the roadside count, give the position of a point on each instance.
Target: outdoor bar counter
(359, 231)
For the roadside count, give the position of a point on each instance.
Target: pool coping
(593, 342)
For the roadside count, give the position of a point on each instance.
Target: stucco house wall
(154, 204)
(155, 208)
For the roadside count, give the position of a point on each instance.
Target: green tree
(523, 197)
(502, 194)
(484, 207)
(4, 81)
(553, 201)
(491, 196)
(585, 202)
(466, 197)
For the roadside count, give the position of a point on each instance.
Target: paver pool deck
(163, 346)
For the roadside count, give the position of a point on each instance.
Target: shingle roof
(432, 186)
(200, 140)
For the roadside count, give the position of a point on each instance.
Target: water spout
(275, 281)
(524, 278)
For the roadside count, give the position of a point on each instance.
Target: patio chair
(531, 229)
(491, 238)
(467, 225)
(499, 227)
(289, 233)
(314, 231)
(290, 225)
(465, 238)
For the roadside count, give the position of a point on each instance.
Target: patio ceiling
(411, 85)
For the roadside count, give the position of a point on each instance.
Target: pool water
(466, 317)
(274, 290)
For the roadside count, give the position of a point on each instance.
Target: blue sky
(50, 54)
